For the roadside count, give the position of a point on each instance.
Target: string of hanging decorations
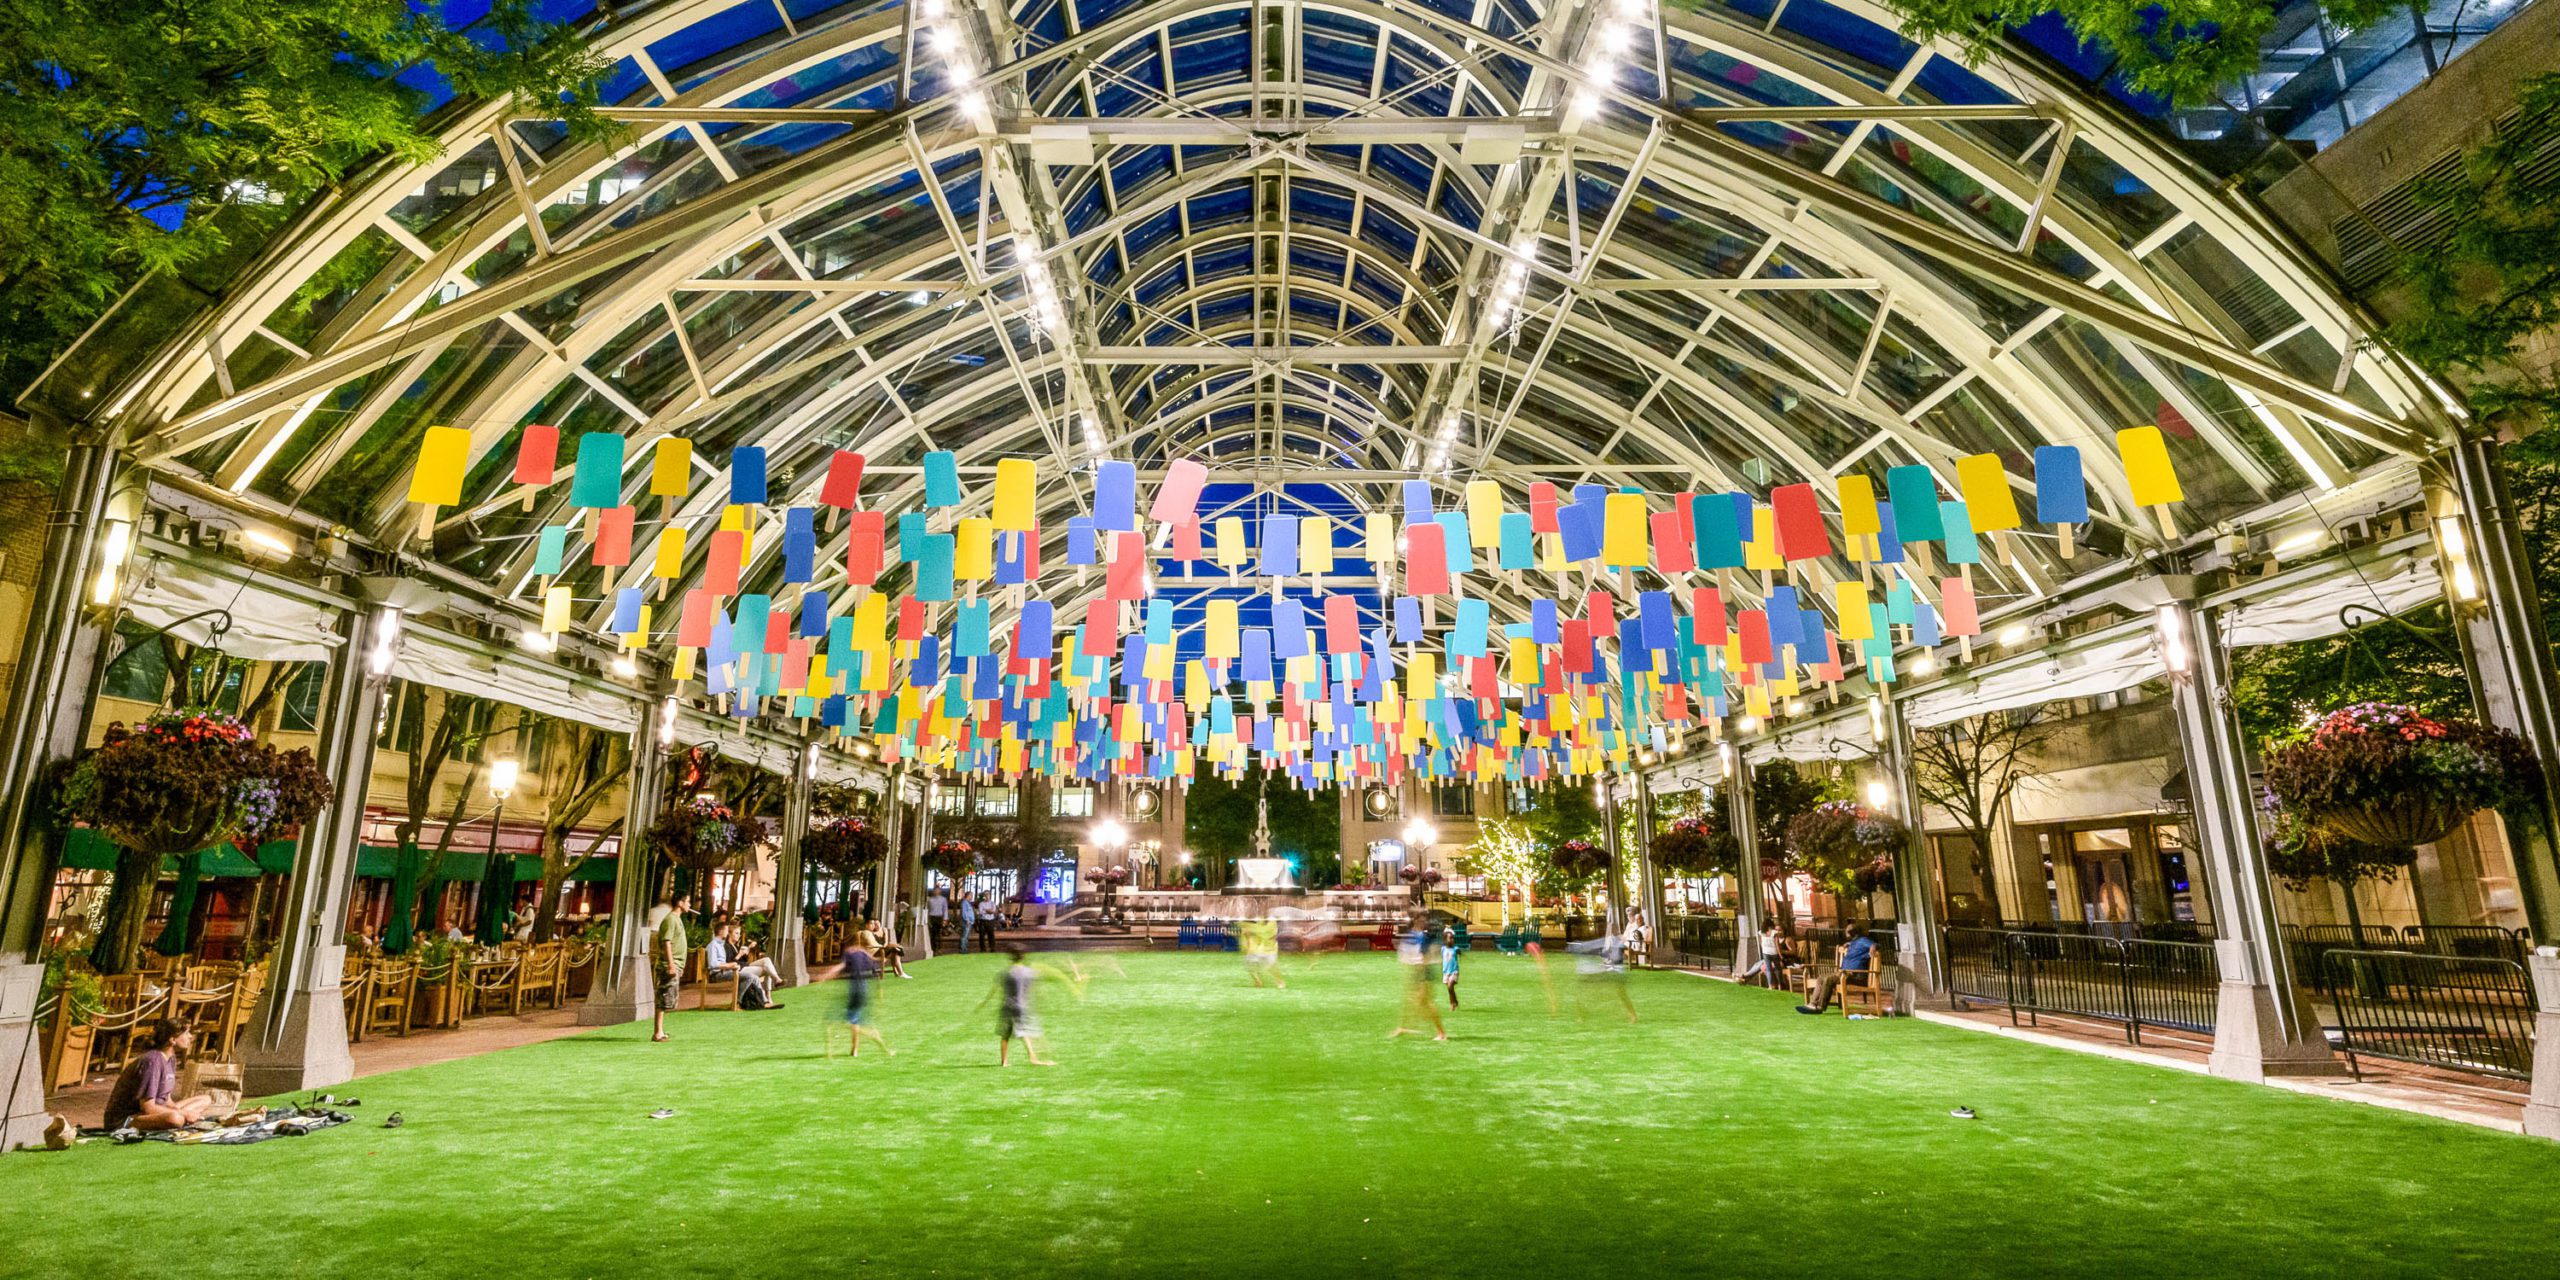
(1419, 684)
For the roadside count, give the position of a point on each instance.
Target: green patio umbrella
(497, 896)
(182, 906)
(404, 893)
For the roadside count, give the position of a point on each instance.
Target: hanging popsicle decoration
(2148, 473)
(2062, 492)
(670, 473)
(1989, 504)
(444, 453)
(537, 459)
(842, 489)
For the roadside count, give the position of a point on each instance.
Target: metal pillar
(919, 923)
(1917, 949)
(48, 718)
(297, 1039)
(623, 990)
(790, 956)
(884, 878)
(2542, 1109)
(2261, 1027)
(1649, 888)
(2504, 646)
(1616, 920)
(1750, 911)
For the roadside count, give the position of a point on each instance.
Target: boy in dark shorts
(859, 971)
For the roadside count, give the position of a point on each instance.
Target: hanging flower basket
(1107, 877)
(701, 834)
(1836, 841)
(846, 846)
(2384, 775)
(954, 858)
(1579, 859)
(188, 780)
(1696, 847)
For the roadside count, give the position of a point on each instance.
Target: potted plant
(846, 846)
(436, 999)
(2383, 775)
(180, 782)
(1578, 860)
(701, 834)
(954, 857)
(1696, 847)
(1838, 841)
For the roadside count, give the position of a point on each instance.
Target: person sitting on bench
(141, 1098)
(723, 958)
(874, 939)
(1857, 957)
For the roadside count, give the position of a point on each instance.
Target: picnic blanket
(278, 1122)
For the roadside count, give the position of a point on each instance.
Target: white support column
(1616, 920)
(1751, 912)
(1648, 892)
(48, 717)
(790, 957)
(918, 924)
(2505, 649)
(1917, 949)
(2261, 1026)
(297, 1039)
(622, 991)
(2542, 1110)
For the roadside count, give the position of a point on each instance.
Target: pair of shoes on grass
(1806, 1008)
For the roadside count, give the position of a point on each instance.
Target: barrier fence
(2463, 1013)
(1704, 940)
(2135, 983)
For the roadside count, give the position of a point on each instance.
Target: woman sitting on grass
(141, 1098)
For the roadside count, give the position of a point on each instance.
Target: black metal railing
(1703, 940)
(2461, 1013)
(2468, 941)
(2131, 982)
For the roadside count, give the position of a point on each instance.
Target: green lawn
(1197, 1126)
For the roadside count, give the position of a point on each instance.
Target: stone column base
(620, 995)
(310, 1052)
(791, 958)
(2248, 1046)
(2542, 1110)
(21, 1057)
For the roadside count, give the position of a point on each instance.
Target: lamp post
(496, 886)
(1109, 836)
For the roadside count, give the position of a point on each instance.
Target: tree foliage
(2494, 281)
(142, 135)
(2188, 51)
(1972, 767)
(1218, 819)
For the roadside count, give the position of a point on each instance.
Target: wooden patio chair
(392, 989)
(537, 975)
(493, 985)
(352, 988)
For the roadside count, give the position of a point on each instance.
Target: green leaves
(146, 135)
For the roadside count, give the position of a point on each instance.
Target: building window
(301, 710)
(141, 670)
(1071, 802)
(1455, 800)
(951, 800)
(998, 802)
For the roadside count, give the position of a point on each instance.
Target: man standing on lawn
(667, 956)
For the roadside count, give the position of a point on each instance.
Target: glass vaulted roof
(1322, 247)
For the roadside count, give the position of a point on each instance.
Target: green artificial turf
(1197, 1126)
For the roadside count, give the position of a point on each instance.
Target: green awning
(86, 850)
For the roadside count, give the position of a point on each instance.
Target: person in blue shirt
(1449, 964)
(1859, 956)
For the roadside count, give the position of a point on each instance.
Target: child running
(1449, 952)
(1014, 1018)
(1412, 954)
(1260, 942)
(859, 971)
